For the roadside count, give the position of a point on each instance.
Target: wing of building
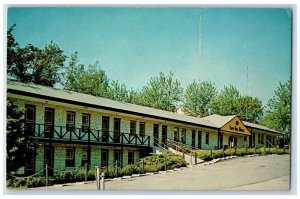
(73, 129)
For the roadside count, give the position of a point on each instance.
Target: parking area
(243, 173)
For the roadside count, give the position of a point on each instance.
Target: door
(164, 135)
(176, 134)
(199, 139)
(49, 122)
(86, 120)
(155, 134)
(253, 144)
(193, 138)
(104, 157)
(117, 158)
(221, 140)
(130, 157)
(105, 129)
(30, 166)
(117, 123)
(183, 136)
(30, 120)
(232, 141)
(49, 158)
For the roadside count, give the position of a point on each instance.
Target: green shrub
(131, 169)
(156, 162)
(17, 183)
(36, 181)
(207, 156)
(109, 172)
(91, 174)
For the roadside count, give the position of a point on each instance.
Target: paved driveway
(242, 173)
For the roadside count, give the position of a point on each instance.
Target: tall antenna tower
(200, 40)
(247, 93)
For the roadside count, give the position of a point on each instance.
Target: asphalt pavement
(270, 173)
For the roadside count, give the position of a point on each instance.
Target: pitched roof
(219, 120)
(65, 96)
(213, 121)
(257, 126)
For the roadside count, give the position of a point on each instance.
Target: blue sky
(134, 44)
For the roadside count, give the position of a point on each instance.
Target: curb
(162, 172)
(126, 177)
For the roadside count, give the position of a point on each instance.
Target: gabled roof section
(220, 121)
(230, 123)
(64, 96)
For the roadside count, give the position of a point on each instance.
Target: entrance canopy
(230, 124)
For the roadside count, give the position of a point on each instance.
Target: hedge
(152, 163)
(208, 155)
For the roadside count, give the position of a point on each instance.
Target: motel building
(72, 129)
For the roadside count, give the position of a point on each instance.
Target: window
(176, 134)
(132, 127)
(130, 157)
(262, 139)
(142, 128)
(207, 138)
(245, 138)
(30, 113)
(85, 121)
(70, 123)
(183, 135)
(259, 139)
(70, 117)
(70, 157)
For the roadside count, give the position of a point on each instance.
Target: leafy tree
(18, 59)
(92, 80)
(162, 92)
(46, 65)
(231, 102)
(12, 46)
(118, 92)
(31, 64)
(134, 97)
(198, 98)
(72, 74)
(250, 109)
(278, 109)
(226, 103)
(19, 148)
